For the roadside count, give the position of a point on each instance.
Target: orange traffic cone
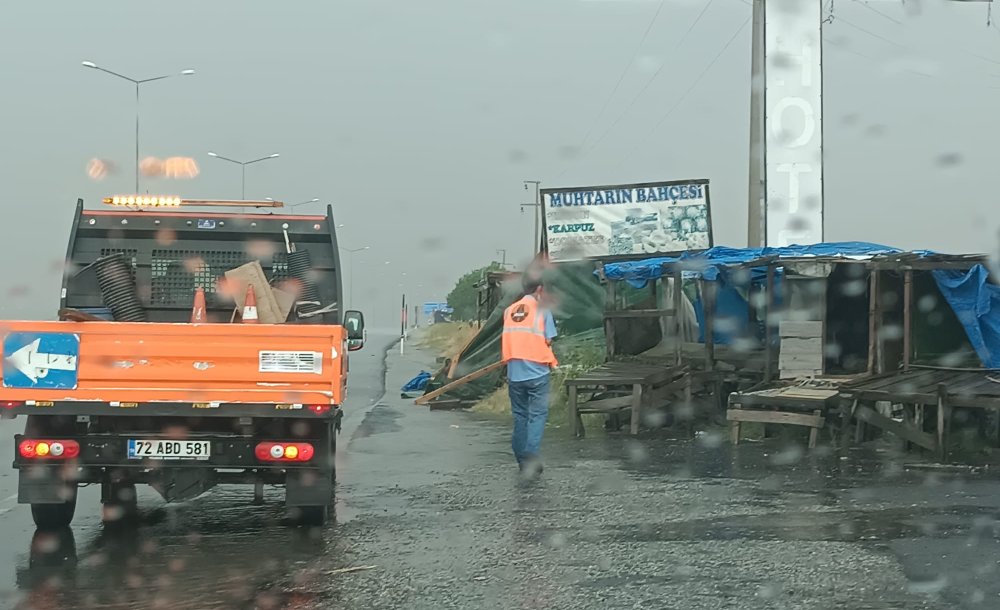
(198, 311)
(250, 306)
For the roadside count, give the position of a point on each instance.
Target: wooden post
(943, 422)
(734, 426)
(873, 312)
(609, 323)
(846, 413)
(678, 295)
(859, 428)
(574, 412)
(688, 407)
(636, 407)
(907, 318)
(769, 315)
(814, 432)
(825, 283)
(708, 312)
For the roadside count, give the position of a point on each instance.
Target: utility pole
(538, 213)
(757, 205)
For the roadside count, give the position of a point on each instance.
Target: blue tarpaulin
(418, 383)
(976, 303)
(732, 315)
(710, 264)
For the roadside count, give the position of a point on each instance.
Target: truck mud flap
(308, 488)
(44, 485)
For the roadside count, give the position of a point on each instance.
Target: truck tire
(53, 516)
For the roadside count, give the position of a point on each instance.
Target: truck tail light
(319, 409)
(11, 404)
(49, 449)
(284, 452)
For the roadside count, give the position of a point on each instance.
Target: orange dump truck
(124, 389)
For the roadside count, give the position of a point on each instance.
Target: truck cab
(161, 371)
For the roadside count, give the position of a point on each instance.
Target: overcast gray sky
(419, 119)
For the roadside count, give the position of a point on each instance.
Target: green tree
(464, 297)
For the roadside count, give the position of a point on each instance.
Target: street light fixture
(243, 165)
(136, 82)
(351, 252)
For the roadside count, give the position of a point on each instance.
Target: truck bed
(131, 367)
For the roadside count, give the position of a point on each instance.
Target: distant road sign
(430, 308)
(40, 360)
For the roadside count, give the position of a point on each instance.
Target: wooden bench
(638, 385)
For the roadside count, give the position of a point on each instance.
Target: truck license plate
(168, 450)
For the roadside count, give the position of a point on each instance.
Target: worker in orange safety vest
(526, 344)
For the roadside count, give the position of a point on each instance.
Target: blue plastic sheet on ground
(711, 264)
(976, 303)
(418, 383)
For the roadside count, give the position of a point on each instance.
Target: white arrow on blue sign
(40, 360)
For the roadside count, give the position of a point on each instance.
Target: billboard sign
(626, 220)
(793, 127)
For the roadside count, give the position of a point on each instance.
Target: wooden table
(781, 405)
(918, 389)
(640, 385)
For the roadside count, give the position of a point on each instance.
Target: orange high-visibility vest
(524, 334)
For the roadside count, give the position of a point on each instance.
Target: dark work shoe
(532, 469)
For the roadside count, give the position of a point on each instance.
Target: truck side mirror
(354, 322)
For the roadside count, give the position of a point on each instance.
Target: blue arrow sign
(40, 360)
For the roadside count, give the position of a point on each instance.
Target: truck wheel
(119, 503)
(53, 516)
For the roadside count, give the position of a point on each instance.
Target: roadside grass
(445, 338)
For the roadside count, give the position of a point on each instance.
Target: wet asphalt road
(431, 500)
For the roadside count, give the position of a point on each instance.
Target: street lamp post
(243, 165)
(136, 82)
(351, 252)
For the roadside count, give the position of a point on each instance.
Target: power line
(846, 49)
(869, 32)
(715, 59)
(878, 12)
(694, 84)
(624, 73)
(652, 78)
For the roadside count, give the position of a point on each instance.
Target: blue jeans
(529, 402)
